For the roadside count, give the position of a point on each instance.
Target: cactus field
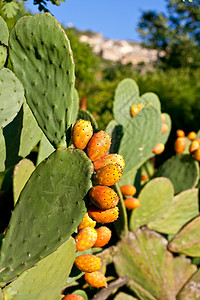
(87, 213)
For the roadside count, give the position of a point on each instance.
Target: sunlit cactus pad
(42, 59)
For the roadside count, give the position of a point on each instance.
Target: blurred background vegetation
(174, 77)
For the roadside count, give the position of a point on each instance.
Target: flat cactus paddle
(12, 89)
(42, 59)
(49, 209)
(34, 282)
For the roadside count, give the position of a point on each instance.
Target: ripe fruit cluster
(128, 191)
(108, 169)
(181, 143)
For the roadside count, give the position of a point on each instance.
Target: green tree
(177, 33)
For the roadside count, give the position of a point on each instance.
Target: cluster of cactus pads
(53, 208)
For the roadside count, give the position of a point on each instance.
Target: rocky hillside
(123, 51)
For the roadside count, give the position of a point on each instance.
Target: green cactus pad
(191, 291)
(140, 137)
(187, 241)
(47, 278)
(144, 258)
(45, 149)
(1, 295)
(12, 134)
(3, 56)
(124, 296)
(183, 270)
(81, 293)
(86, 115)
(155, 198)
(4, 33)
(115, 130)
(50, 207)
(31, 133)
(11, 96)
(126, 94)
(164, 136)
(121, 224)
(151, 99)
(22, 172)
(183, 208)
(182, 170)
(2, 151)
(42, 59)
(75, 107)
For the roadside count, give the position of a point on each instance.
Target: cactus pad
(31, 133)
(45, 149)
(144, 258)
(183, 208)
(42, 59)
(2, 152)
(183, 270)
(140, 137)
(51, 201)
(191, 290)
(46, 279)
(22, 172)
(182, 170)
(11, 96)
(187, 241)
(155, 198)
(4, 34)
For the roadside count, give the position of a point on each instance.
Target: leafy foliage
(176, 32)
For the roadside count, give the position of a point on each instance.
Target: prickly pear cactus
(35, 282)
(21, 174)
(2, 151)
(191, 290)
(12, 89)
(155, 198)
(3, 42)
(86, 115)
(50, 206)
(139, 134)
(187, 241)
(45, 149)
(42, 59)
(144, 258)
(183, 208)
(31, 133)
(182, 170)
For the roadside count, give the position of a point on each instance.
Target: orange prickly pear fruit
(98, 145)
(81, 133)
(131, 203)
(164, 128)
(108, 175)
(194, 146)
(109, 159)
(73, 297)
(88, 263)
(180, 133)
(196, 154)
(163, 118)
(103, 236)
(103, 197)
(86, 238)
(191, 135)
(103, 215)
(179, 145)
(96, 279)
(136, 108)
(144, 177)
(159, 148)
(128, 190)
(87, 222)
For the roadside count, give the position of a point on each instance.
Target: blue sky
(113, 18)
